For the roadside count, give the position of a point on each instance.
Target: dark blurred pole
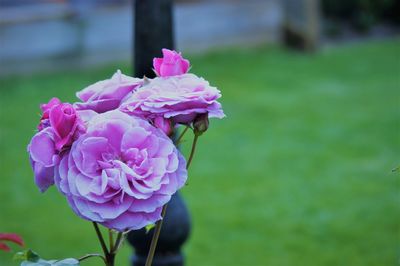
(154, 31)
(174, 232)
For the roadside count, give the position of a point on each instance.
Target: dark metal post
(154, 31)
(174, 233)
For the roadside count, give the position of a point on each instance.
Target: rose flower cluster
(111, 154)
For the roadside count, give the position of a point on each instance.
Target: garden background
(298, 173)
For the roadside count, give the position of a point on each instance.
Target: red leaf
(13, 238)
(4, 247)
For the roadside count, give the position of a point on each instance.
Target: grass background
(299, 173)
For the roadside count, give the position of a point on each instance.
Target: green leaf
(67, 262)
(41, 262)
(31, 258)
(27, 255)
(20, 255)
(149, 227)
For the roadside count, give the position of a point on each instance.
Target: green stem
(111, 240)
(110, 259)
(118, 242)
(156, 235)
(192, 150)
(91, 256)
(101, 239)
(157, 229)
(181, 135)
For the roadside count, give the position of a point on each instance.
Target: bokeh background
(300, 171)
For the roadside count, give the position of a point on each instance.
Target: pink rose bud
(64, 121)
(164, 124)
(172, 64)
(45, 107)
(200, 124)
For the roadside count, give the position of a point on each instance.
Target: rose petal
(42, 147)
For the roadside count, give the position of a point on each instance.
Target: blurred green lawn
(299, 173)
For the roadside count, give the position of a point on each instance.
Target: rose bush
(111, 154)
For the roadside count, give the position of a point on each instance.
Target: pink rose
(58, 128)
(171, 64)
(45, 107)
(164, 124)
(120, 172)
(178, 98)
(107, 95)
(64, 121)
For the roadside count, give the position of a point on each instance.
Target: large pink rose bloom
(179, 98)
(121, 172)
(171, 64)
(106, 95)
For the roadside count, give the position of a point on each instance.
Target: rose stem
(109, 257)
(154, 240)
(196, 136)
(117, 242)
(92, 255)
(111, 240)
(181, 135)
(157, 229)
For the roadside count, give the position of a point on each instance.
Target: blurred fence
(58, 34)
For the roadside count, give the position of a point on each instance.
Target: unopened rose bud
(164, 124)
(200, 124)
(171, 64)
